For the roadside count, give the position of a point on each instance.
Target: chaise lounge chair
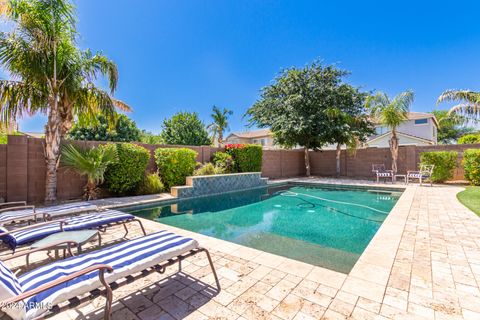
(62, 280)
(380, 172)
(19, 211)
(16, 237)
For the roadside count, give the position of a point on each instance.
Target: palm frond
(471, 106)
(468, 96)
(467, 110)
(91, 163)
(390, 113)
(19, 99)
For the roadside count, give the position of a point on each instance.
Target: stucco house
(420, 130)
(263, 137)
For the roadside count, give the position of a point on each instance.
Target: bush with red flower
(247, 157)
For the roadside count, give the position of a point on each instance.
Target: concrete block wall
(22, 165)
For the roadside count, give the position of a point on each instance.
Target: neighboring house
(262, 137)
(420, 130)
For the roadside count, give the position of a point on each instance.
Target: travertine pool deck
(424, 263)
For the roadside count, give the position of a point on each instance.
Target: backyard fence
(22, 165)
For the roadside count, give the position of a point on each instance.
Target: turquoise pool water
(324, 226)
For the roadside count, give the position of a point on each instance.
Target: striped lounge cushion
(87, 221)
(126, 258)
(60, 210)
(9, 285)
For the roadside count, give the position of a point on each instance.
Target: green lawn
(471, 199)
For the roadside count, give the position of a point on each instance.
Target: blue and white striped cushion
(17, 238)
(384, 174)
(17, 214)
(87, 221)
(95, 220)
(60, 210)
(126, 258)
(9, 285)
(415, 175)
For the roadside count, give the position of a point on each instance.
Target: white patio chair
(424, 173)
(380, 172)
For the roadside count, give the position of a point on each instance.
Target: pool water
(321, 225)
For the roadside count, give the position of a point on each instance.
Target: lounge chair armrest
(33, 226)
(13, 203)
(69, 243)
(100, 267)
(17, 208)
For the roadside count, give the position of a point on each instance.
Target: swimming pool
(326, 226)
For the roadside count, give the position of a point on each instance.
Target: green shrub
(471, 164)
(247, 157)
(124, 176)
(175, 164)
(444, 161)
(223, 162)
(469, 138)
(207, 169)
(150, 184)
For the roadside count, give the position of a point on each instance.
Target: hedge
(471, 165)
(223, 162)
(469, 138)
(175, 165)
(150, 184)
(123, 177)
(247, 157)
(444, 161)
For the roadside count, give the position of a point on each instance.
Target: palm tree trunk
(394, 150)
(220, 138)
(307, 162)
(52, 151)
(337, 158)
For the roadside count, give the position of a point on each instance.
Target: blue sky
(190, 55)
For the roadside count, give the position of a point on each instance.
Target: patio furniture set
(425, 173)
(45, 289)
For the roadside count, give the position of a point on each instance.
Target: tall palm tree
(470, 106)
(50, 75)
(390, 113)
(220, 123)
(91, 163)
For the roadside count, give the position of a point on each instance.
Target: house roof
(374, 138)
(251, 134)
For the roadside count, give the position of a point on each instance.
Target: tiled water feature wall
(220, 183)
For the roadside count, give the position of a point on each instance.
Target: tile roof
(252, 134)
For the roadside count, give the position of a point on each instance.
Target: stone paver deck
(423, 263)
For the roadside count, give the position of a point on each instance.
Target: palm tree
(50, 75)
(220, 123)
(470, 107)
(390, 113)
(91, 163)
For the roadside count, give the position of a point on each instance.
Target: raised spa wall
(219, 183)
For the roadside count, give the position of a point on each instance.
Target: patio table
(402, 176)
(79, 237)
